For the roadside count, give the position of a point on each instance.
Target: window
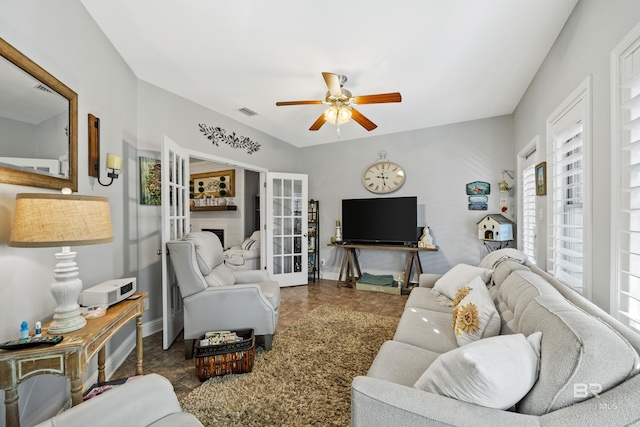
(527, 159)
(529, 213)
(625, 158)
(568, 191)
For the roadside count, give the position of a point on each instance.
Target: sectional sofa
(527, 351)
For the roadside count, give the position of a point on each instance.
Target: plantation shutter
(528, 228)
(566, 191)
(626, 182)
(569, 190)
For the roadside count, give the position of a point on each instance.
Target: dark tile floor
(295, 302)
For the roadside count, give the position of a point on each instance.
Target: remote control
(31, 342)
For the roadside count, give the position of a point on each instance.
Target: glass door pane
(289, 228)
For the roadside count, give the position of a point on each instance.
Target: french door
(286, 227)
(175, 225)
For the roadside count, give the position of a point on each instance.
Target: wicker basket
(227, 358)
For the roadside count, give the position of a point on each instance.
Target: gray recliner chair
(217, 298)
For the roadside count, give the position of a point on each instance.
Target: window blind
(569, 200)
(528, 228)
(565, 179)
(626, 181)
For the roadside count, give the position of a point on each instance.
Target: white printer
(109, 292)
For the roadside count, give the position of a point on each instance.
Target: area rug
(305, 380)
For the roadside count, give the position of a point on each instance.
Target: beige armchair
(217, 298)
(246, 256)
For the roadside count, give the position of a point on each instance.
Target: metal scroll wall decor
(217, 134)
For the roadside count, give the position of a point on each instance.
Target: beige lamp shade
(46, 220)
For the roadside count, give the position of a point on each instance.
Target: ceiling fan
(341, 102)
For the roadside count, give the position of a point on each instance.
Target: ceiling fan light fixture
(341, 112)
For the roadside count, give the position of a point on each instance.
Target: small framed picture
(541, 179)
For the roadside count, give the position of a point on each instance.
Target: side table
(71, 356)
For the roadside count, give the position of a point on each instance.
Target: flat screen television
(386, 220)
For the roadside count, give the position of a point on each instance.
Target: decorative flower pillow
(459, 276)
(475, 315)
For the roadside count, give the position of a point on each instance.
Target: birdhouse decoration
(495, 228)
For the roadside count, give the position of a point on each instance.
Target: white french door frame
(175, 223)
(263, 199)
(286, 228)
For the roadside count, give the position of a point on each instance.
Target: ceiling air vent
(247, 111)
(43, 88)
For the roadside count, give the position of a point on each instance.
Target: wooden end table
(70, 357)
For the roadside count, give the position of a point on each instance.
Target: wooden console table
(71, 356)
(350, 264)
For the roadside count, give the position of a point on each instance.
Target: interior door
(175, 225)
(286, 227)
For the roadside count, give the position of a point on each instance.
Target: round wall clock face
(383, 177)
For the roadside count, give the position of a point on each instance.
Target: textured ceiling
(452, 60)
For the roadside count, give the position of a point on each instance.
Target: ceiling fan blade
(378, 99)
(318, 123)
(358, 117)
(333, 83)
(283, 103)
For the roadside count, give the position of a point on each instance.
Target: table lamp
(49, 220)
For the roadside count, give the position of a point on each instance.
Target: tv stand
(350, 264)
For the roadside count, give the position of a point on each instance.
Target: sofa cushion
(424, 299)
(513, 295)
(576, 349)
(220, 276)
(478, 308)
(401, 363)
(492, 259)
(494, 372)
(457, 277)
(426, 329)
(209, 253)
(503, 269)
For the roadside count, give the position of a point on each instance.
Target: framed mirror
(38, 125)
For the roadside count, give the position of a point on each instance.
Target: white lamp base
(66, 290)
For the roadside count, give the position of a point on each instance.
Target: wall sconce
(114, 163)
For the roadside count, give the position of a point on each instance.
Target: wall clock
(383, 176)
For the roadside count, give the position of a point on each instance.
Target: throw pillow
(459, 276)
(475, 316)
(494, 372)
(249, 244)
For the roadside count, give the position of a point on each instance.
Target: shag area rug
(305, 380)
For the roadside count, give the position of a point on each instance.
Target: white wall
(583, 48)
(439, 162)
(62, 38)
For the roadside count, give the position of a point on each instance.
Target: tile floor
(295, 302)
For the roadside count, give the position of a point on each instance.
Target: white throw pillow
(249, 244)
(459, 276)
(494, 372)
(479, 305)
